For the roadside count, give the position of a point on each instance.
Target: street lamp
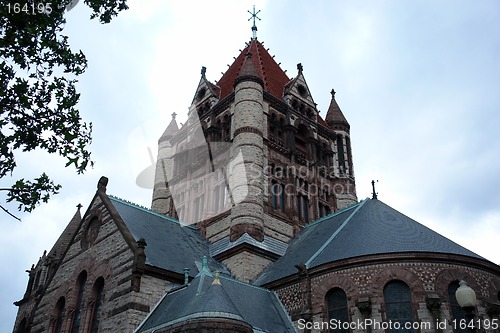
(466, 298)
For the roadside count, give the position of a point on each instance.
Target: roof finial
(174, 115)
(300, 68)
(254, 27)
(203, 71)
(374, 194)
(216, 278)
(186, 275)
(333, 92)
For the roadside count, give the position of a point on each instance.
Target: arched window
(302, 207)
(340, 154)
(337, 308)
(59, 315)
(397, 297)
(278, 196)
(456, 310)
(97, 295)
(77, 316)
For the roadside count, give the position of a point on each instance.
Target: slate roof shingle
(366, 228)
(257, 306)
(170, 246)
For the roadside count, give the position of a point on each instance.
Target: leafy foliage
(38, 97)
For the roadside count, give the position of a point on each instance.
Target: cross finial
(333, 92)
(254, 27)
(203, 71)
(374, 194)
(174, 115)
(300, 68)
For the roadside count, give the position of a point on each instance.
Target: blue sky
(418, 81)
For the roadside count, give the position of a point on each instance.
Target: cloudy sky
(419, 82)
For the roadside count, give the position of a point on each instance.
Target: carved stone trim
(247, 129)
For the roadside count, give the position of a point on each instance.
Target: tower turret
(247, 177)
(162, 199)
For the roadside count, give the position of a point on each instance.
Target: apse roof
(366, 228)
(170, 246)
(231, 298)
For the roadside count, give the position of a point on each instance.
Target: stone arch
(329, 282)
(446, 276)
(57, 315)
(402, 274)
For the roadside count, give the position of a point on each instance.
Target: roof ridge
(147, 210)
(340, 211)
(244, 283)
(332, 237)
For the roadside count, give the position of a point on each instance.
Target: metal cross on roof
(254, 27)
(374, 193)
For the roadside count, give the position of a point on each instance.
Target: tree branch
(5, 210)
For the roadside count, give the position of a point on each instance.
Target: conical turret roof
(334, 115)
(171, 129)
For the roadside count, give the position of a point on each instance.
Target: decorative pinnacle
(216, 278)
(186, 275)
(254, 27)
(203, 71)
(174, 115)
(374, 194)
(333, 92)
(300, 68)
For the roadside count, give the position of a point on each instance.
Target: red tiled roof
(268, 70)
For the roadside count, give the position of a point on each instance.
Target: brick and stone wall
(108, 256)
(425, 279)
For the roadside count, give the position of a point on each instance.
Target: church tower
(255, 162)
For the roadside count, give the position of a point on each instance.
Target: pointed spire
(264, 64)
(248, 72)
(172, 128)
(334, 116)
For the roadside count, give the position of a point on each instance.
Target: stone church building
(254, 226)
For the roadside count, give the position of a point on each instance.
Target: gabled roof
(233, 299)
(366, 228)
(268, 70)
(170, 246)
(62, 243)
